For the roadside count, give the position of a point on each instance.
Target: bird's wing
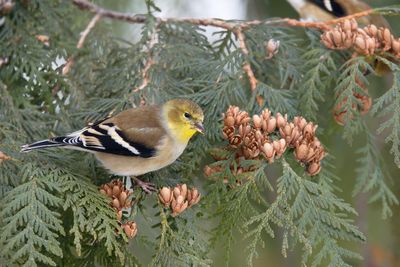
(134, 132)
(332, 7)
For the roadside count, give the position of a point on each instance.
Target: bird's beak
(199, 127)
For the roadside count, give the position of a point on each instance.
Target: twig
(89, 27)
(246, 66)
(67, 67)
(145, 76)
(146, 70)
(149, 62)
(81, 41)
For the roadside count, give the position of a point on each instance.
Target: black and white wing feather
(330, 6)
(102, 136)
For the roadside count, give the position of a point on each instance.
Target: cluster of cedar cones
(179, 198)
(119, 201)
(265, 136)
(366, 41)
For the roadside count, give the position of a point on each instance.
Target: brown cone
(130, 229)
(118, 194)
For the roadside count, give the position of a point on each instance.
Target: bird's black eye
(187, 115)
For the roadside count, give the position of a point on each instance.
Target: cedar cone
(165, 195)
(130, 229)
(228, 132)
(118, 194)
(291, 133)
(271, 48)
(180, 190)
(279, 147)
(179, 198)
(178, 205)
(268, 152)
(43, 39)
(193, 196)
(314, 168)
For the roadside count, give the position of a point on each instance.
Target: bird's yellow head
(184, 118)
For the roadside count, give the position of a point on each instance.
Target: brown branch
(149, 62)
(308, 24)
(246, 66)
(89, 27)
(67, 67)
(145, 75)
(146, 70)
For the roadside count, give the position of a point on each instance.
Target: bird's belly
(134, 166)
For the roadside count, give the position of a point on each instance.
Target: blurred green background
(382, 247)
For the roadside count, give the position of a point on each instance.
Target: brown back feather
(140, 125)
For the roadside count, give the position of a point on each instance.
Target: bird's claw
(146, 186)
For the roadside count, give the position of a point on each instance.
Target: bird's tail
(42, 144)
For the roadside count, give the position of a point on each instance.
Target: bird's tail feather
(41, 144)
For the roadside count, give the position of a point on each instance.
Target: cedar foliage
(51, 210)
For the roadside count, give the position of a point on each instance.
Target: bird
(325, 10)
(135, 141)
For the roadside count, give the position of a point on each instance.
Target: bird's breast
(167, 152)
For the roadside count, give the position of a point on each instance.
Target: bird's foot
(146, 186)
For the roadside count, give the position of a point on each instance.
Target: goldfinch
(136, 141)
